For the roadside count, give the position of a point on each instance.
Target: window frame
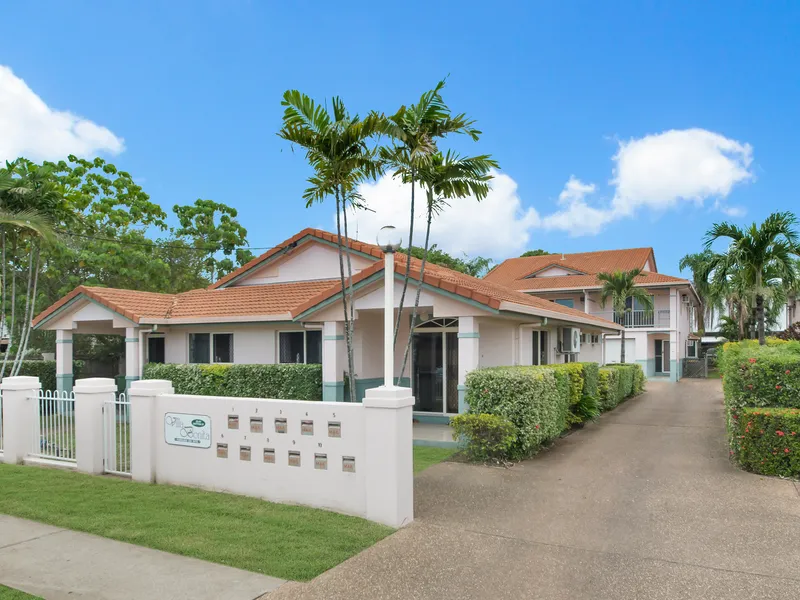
(210, 335)
(560, 302)
(691, 344)
(305, 345)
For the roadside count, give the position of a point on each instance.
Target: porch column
(334, 359)
(64, 360)
(468, 355)
(131, 355)
(674, 337)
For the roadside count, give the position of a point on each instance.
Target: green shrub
(761, 376)
(291, 382)
(484, 437)
(608, 388)
(529, 397)
(45, 370)
(631, 379)
(579, 382)
(766, 440)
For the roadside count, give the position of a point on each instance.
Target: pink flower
(777, 387)
(788, 371)
(780, 433)
(786, 450)
(752, 361)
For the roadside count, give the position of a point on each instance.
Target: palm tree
(415, 130)
(701, 264)
(336, 146)
(445, 177)
(619, 286)
(761, 255)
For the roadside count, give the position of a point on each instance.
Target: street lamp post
(389, 240)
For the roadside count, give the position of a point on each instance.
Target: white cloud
(577, 217)
(498, 226)
(30, 128)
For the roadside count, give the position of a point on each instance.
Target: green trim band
(332, 338)
(63, 341)
(468, 334)
(132, 340)
(64, 376)
(131, 378)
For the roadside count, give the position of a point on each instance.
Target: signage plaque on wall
(187, 430)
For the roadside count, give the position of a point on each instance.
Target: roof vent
(563, 257)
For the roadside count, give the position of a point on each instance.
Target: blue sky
(186, 96)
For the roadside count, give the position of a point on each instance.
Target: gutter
(598, 322)
(205, 320)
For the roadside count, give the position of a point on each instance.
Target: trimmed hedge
(527, 397)
(608, 388)
(761, 376)
(288, 382)
(631, 379)
(484, 437)
(45, 370)
(580, 382)
(767, 440)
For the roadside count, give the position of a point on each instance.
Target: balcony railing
(638, 318)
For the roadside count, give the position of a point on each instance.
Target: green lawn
(714, 374)
(7, 593)
(427, 456)
(290, 542)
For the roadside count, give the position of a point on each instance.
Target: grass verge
(289, 542)
(427, 456)
(7, 593)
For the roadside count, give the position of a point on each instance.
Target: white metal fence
(117, 436)
(54, 429)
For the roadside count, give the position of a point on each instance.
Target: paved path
(643, 504)
(60, 564)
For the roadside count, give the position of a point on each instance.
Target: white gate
(117, 436)
(54, 429)
(1, 423)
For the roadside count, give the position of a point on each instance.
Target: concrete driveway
(643, 504)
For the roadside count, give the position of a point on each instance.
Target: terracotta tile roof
(582, 282)
(591, 263)
(478, 290)
(257, 300)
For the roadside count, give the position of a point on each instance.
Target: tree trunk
(408, 262)
(701, 318)
(3, 329)
(27, 335)
(419, 286)
(350, 303)
(622, 349)
(352, 383)
(25, 318)
(13, 313)
(760, 319)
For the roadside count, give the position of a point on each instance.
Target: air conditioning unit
(570, 340)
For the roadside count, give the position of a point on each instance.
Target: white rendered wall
(497, 342)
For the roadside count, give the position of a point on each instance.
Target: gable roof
(520, 273)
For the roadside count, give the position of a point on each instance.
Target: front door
(662, 356)
(435, 371)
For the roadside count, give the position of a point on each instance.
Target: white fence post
(389, 455)
(145, 430)
(90, 396)
(20, 413)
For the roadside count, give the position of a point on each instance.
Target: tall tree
(446, 177)
(701, 264)
(337, 148)
(538, 252)
(618, 287)
(415, 131)
(762, 255)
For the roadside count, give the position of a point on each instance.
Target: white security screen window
(199, 348)
(314, 347)
(300, 346)
(223, 347)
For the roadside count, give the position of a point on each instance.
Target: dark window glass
(199, 347)
(155, 350)
(291, 346)
(543, 348)
(536, 354)
(314, 347)
(223, 347)
(568, 302)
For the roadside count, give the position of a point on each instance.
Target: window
(583, 338)
(539, 348)
(300, 346)
(595, 338)
(200, 345)
(691, 348)
(155, 350)
(568, 302)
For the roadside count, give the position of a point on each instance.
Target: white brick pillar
(20, 412)
(147, 426)
(334, 361)
(388, 455)
(468, 355)
(131, 355)
(91, 394)
(64, 360)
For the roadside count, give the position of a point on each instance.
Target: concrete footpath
(642, 505)
(58, 564)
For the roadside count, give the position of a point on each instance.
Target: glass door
(428, 372)
(665, 356)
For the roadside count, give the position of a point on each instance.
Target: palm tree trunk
(408, 262)
(760, 319)
(622, 349)
(419, 287)
(344, 294)
(27, 336)
(350, 303)
(701, 318)
(3, 328)
(26, 317)
(13, 313)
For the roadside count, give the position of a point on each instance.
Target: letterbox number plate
(321, 461)
(349, 464)
(334, 429)
(307, 427)
(256, 425)
(269, 455)
(280, 425)
(233, 421)
(294, 458)
(222, 450)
